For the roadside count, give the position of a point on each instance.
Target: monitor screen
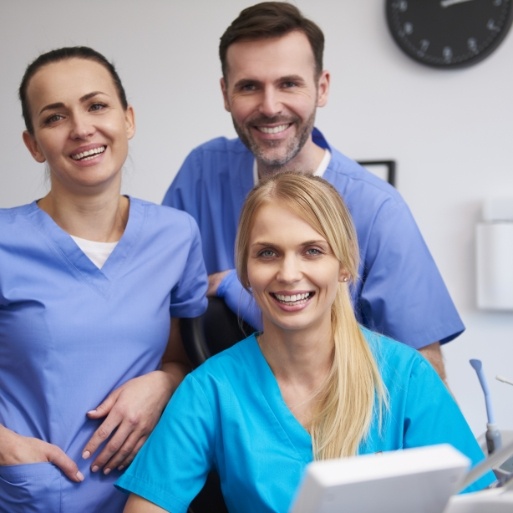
(407, 481)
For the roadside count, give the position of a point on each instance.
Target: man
(273, 81)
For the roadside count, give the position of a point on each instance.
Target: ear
(323, 88)
(344, 276)
(224, 90)
(130, 122)
(33, 147)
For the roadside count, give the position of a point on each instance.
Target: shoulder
(160, 217)
(11, 218)
(395, 359)
(220, 147)
(354, 181)
(216, 165)
(229, 368)
(9, 215)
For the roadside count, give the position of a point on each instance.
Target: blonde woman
(312, 385)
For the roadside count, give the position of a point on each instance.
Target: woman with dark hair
(89, 281)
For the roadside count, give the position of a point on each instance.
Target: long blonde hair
(354, 390)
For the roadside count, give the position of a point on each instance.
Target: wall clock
(449, 33)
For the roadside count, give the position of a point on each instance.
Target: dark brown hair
(271, 19)
(60, 54)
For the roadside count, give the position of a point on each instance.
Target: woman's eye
(313, 252)
(266, 253)
(97, 106)
(52, 119)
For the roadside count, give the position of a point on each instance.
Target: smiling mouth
(84, 155)
(273, 129)
(293, 299)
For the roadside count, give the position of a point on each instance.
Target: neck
(301, 365)
(303, 356)
(99, 218)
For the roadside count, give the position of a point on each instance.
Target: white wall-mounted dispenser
(494, 255)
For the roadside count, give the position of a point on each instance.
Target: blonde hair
(354, 390)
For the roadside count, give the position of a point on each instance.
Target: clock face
(449, 33)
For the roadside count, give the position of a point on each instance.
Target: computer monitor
(407, 481)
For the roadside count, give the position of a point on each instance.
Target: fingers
(119, 451)
(107, 427)
(105, 407)
(131, 413)
(123, 436)
(68, 467)
(20, 450)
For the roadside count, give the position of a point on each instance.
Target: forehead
(68, 79)
(286, 55)
(279, 224)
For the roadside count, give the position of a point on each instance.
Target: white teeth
(272, 130)
(292, 298)
(88, 153)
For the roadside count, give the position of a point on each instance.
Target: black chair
(218, 329)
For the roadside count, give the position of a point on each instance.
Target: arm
(433, 353)
(16, 450)
(238, 299)
(402, 293)
(214, 282)
(136, 504)
(132, 410)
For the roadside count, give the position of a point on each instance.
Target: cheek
(252, 280)
(258, 277)
(48, 146)
(241, 108)
(331, 280)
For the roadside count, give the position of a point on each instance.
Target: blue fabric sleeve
(184, 434)
(403, 294)
(239, 300)
(188, 297)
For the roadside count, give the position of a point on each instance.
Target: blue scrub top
(71, 333)
(229, 414)
(400, 292)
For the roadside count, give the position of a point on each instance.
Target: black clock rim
(453, 65)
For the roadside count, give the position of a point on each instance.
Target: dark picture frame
(385, 169)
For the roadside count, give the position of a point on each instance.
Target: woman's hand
(19, 450)
(131, 412)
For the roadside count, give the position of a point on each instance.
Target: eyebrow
(60, 105)
(285, 78)
(303, 244)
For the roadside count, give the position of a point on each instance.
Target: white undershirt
(97, 252)
(318, 172)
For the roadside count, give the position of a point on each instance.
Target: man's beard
(274, 163)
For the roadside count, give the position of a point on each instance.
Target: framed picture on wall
(385, 169)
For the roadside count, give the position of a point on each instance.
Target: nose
(81, 126)
(289, 270)
(270, 104)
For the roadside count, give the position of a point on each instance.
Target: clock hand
(448, 3)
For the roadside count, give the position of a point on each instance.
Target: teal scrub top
(229, 415)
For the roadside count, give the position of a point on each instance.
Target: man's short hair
(271, 19)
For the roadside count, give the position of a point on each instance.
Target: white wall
(451, 133)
